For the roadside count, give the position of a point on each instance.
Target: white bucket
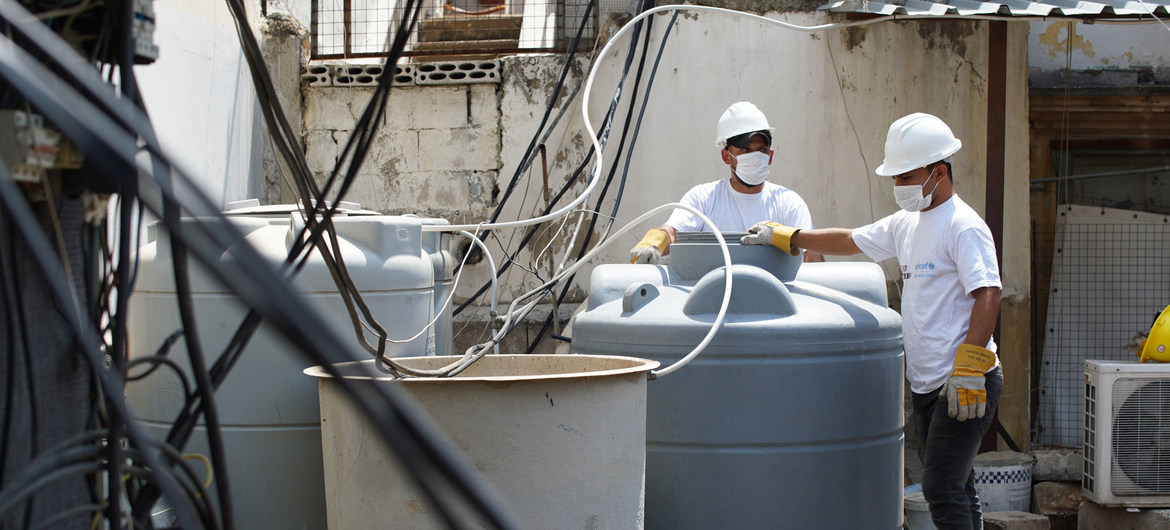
(917, 512)
(562, 438)
(1003, 480)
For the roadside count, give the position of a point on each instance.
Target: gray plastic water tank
(792, 416)
(268, 408)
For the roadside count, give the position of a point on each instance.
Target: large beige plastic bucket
(562, 438)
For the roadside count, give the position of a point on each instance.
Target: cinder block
(433, 107)
(1057, 464)
(457, 72)
(403, 75)
(484, 106)
(1093, 516)
(1057, 498)
(322, 147)
(334, 109)
(1015, 521)
(459, 150)
(357, 74)
(1059, 502)
(317, 75)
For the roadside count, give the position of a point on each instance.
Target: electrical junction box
(145, 50)
(27, 147)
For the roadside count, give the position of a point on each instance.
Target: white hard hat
(915, 141)
(739, 118)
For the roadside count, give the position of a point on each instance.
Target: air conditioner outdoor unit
(1127, 434)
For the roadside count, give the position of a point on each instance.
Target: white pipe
(601, 246)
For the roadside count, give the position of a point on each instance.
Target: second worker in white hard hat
(950, 303)
(745, 198)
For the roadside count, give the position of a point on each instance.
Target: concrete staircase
(471, 36)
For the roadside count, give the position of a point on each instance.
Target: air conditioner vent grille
(1141, 437)
(1089, 479)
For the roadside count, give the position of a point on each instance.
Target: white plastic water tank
(268, 408)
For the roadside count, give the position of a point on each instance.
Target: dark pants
(947, 450)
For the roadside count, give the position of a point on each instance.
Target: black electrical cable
(606, 128)
(8, 278)
(621, 187)
(602, 135)
(122, 17)
(248, 276)
(203, 385)
(69, 460)
(43, 253)
(609, 178)
(58, 520)
(30, 387)
(359, 143)
(15, 334)
(155, 362)
(530, 152)
(210, 234)
(19, 81)
(182, 427)
(162, 353)
(530, 234)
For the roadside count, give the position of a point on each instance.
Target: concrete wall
(1097, 46)
(451, 151)
(831, 94)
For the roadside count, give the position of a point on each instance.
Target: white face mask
(752, 168)
(910, 198)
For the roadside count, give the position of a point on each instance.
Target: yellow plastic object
(782, 237)
(654, 238)
(978, 360)
(1157, 345)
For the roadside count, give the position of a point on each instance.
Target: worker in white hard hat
(735, 203)
(950, 304)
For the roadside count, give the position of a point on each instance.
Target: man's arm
(983, 316)
(966, 388)
(827, 241)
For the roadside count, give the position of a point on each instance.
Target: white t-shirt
(733, 211)
(945, 254)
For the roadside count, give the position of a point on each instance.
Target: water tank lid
(253, 207)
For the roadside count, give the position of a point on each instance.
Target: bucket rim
(371, 373)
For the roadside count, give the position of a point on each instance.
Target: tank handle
(637, 295)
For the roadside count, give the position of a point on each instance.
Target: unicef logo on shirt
(924, 270)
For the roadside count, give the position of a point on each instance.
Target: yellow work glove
(765, 232)
(966, 388)
(650, 249)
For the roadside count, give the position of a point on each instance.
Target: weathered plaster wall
(1116, 55)
(832, 95)
(283, 41)
(436, 154)
(451, 151)
(1097, 45)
